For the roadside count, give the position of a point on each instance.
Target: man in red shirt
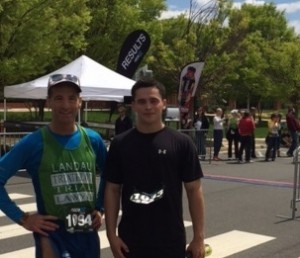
(246, 128)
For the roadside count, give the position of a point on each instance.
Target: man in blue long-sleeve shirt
(61, 159)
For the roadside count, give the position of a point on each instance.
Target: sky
(291, 8)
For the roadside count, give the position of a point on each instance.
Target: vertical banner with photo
(189, 79)
(132, 52)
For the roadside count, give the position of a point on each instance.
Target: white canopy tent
(97, 82)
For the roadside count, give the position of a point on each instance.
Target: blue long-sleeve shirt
(27, 154)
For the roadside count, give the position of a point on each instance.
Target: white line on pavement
(233, 242)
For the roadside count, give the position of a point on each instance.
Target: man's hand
(39, 223)
(197, 249)
(118, 247)
(96, 220)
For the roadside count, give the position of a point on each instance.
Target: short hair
(273, 115)
(121, 108)
(291, 109)
(246, 113)
(191, 68)
(148, 83)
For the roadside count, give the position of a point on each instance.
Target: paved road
(253, 198)
(247, 212)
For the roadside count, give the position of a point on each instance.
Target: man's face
(190, 73)
(148, 105)
(64, 102)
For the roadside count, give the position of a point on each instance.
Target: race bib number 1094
(78, 220)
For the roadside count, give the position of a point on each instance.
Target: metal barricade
(9, 139)
(296, 186)
(202, 139)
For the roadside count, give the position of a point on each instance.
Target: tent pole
(86, 113)
(79, 117)
(3, 128)
(4, 116)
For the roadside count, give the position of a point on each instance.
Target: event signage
(189, 79)
(132, 52)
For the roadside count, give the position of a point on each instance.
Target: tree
(113, 20)
(255, 32)
(284, 69)
(194, 36)
(38, 36)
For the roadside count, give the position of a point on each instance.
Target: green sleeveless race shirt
(68, 181)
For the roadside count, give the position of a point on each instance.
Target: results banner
(132, 52)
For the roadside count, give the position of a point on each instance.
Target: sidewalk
(260, 147)
(281, 170)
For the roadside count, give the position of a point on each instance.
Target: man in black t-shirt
(146, 169)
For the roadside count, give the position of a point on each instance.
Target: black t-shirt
(122, 125)
(151, 168)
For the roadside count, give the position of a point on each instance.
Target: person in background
(123, 122)
(273, 137)
(61, 159)
(253, 148)
(218, 133)
(145, 172)
(201, 124)
(279, 135)
(285, 139)
(232, 133)
(246, 128)
(293, 126)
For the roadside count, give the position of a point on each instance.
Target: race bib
(78, 220)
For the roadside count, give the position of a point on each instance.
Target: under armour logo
(160, 151)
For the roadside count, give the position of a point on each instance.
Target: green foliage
(39, 34)
(250, 53)
(113, 20)
(92, 116)
(257, 33)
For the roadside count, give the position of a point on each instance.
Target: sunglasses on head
(55, 78)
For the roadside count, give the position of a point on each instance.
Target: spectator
(218, 133)
(293, 127)
(232, 133)
(285, 139)
(273, 137)
(123, 122)
(201, 125)
(253, 145)
(280, 133)
(246, 127)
